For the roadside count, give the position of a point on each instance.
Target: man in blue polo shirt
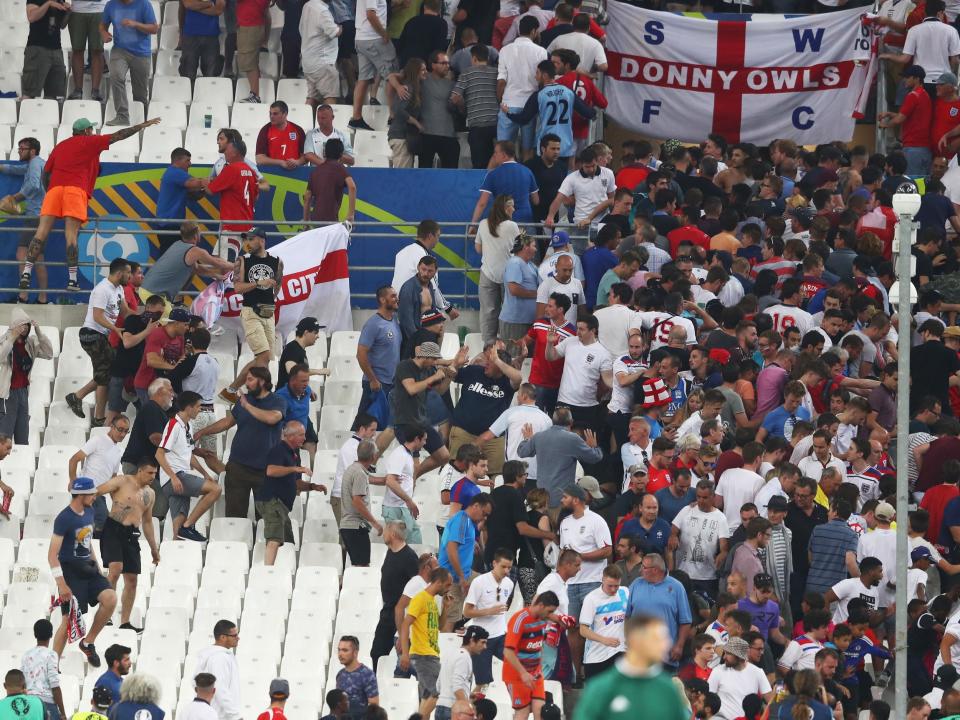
(508, 177)
(118, 664)
(653, 530)
(656, 593)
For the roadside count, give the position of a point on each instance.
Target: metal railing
(455, 247)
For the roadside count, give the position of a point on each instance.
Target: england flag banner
(316, 283)
(753, 79)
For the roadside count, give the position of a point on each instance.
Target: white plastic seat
(172, 596)
(320, 531)
(232, 529)
(47, 503)
(268, 92)
(301, 114)
(342, 392)
(184, 555)
(373, 161)
(169, 38)
(171, 11)
(292, 90)
(360, 577)
(218, 111)
(336, 417)
(249, 115)
(168, 63)
(43, 133)
(344, 342)
(40, 111)
(274, 579)
(376, 116)
(76, 109)
(371, 143)
(174, 115)
(55, 456)
(213, 90)
(8, 110)
(232, 554)
(118, 155)
(344, 367)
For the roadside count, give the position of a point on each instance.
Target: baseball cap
(637, 469)
(590, 485)
(258, 231)
(778, 503)
(431, 317)
(885, 511)
(179, 314)
(81, 124)
(575, 491)
(279, 688)
(429, 350)
(83, 486)
(308, 324)
(952, 331)
(921, 553)
(946, 676)
(915, 71)
(559, 239)
(947, 78)
(103, 699)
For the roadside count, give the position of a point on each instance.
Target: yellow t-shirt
(88, 715)
(425, 634)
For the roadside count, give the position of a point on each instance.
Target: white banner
(751, 80)
(316, 283)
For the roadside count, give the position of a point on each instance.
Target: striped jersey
(800, 653)
(177, 441)
(525, 635)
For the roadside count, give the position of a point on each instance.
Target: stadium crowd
(667, 463)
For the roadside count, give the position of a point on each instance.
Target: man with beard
(864, 587)
(736, 678)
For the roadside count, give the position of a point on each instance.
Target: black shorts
(311, 433)
(85, 582)
(357, 542)
(346, 45)
(121, 544)
(434, 441)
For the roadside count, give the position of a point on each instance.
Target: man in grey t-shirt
(356, 518)
(439, 137)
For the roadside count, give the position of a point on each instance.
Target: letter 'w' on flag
(316, 283)
(751, 79)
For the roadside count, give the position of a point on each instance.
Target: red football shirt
(76, 162)
(657, 479)
(632, 175)
(583, 86)
(237, 187)
(543, 372)
(915, 131)
(946, 116)
(281, 144)
(272, 714)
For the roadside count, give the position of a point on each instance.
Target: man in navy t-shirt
(77, 570)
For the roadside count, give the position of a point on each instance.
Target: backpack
(727, 568)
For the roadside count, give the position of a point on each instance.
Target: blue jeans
(575, 595)
(918, 160)
(548, 660)
(547, 398)
(507, 129)
(483, 663)
(51, 711)
(441, 713)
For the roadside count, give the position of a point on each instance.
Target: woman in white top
(495, 237)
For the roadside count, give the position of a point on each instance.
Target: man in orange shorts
(522, 673)
(72, 169)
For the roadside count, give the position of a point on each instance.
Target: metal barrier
(455, 248)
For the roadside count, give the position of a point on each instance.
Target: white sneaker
(251, 98)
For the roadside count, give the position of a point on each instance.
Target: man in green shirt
(17, 704)
(637, 681)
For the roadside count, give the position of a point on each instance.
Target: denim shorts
(507, 129)
(575, 595)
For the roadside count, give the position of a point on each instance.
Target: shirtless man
(132, 509)
(736, 169)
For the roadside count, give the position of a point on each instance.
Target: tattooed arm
(131, 131)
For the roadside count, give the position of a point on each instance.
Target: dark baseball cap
(103, 698)
(308, 324)
(279, 688)
(257, 231)
(179, 314)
